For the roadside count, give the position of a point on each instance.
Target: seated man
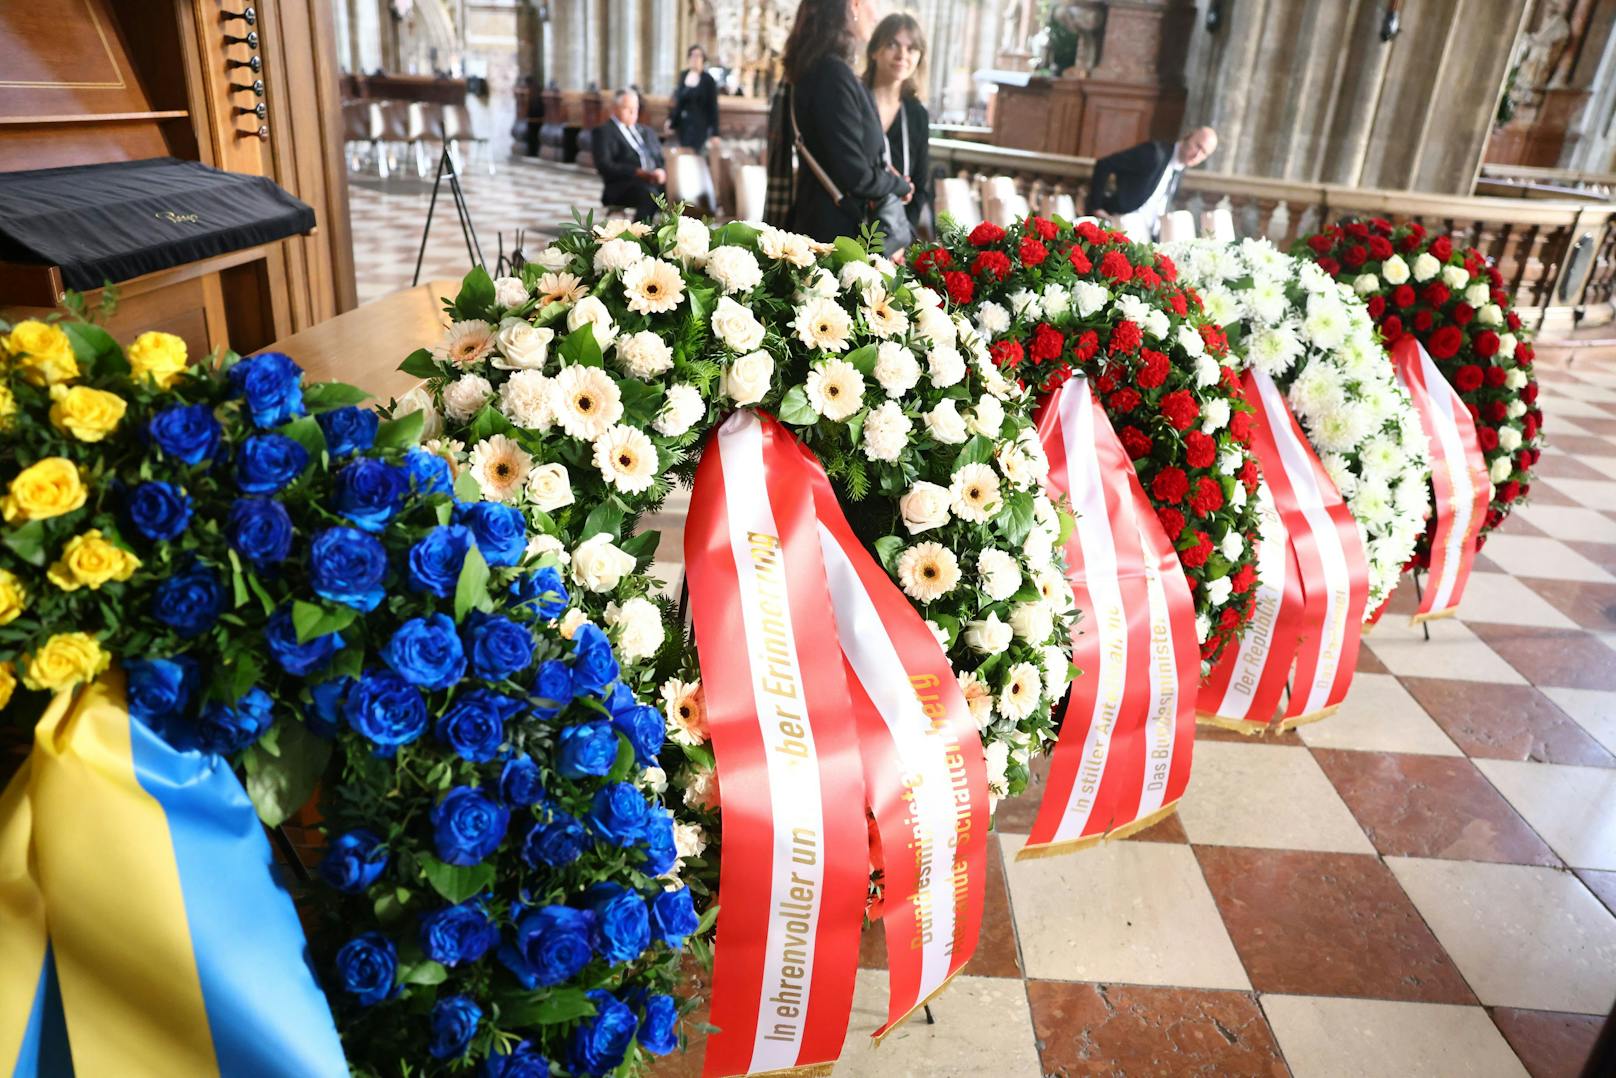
(628, 157)
(1135, 187)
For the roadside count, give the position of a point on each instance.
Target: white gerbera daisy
(822, 324)
(1021, 692)
(465, 342)
(586, 401)
(559, 287)
(627, 458)
(974, 493)
(685, 711)
(500, 467)
(835, 389)
(881, 313)
(652, 286)
(928, 571)
(978, 698)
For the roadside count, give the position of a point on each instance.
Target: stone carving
(1541, 51)
(1076, 32)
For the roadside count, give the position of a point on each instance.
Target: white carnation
(465, 396)
(1090, 297)
(945, 365)
(617, 255)
(643, 355)
(1233, 545)
(1057, 300)
(734, 269)
(680, 410)
(691, 241)
(638, 622)
(991, 319)
(1214, 415)
(525, 400)
(886, 431)
(987, 418)
(896, 368)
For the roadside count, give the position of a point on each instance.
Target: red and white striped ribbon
(795, 873)
(1458, 477)
(1329, 553)
(1123, 757)
(1244, 690)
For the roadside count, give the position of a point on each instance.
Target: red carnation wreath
(1051, 300)
(1454, 301)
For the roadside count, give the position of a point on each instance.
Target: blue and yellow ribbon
(143, 928)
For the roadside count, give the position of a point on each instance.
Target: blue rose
(368, 492)
(673, 916)
(645, 729)
(499, 647)
(599, 1043)
(229, 728)
(386, 709)
(552, 689)
(323, 712)
(501, 531)
(659, 1025)
(594, 667)
(523, 1061)
(520, 783)
(428, 472)
(160, 690)
(468, 825)
(622, 929)
(427, 652)
(299, 660)
(353, 861)
(260, 530)
(542, 590)
(558, 843)
(661, 852)
(454, 1023)
(457, 934)
(586, 750)
(618, 814)
(367, 966)
(348, 567)
(474, 725)
(271, 384)
(159, 511)
(190, 601)
(186, 432)
(435, 561)
(265, 463)
(349, 429)
(552, 945)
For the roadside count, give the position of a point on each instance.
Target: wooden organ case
(244, 86)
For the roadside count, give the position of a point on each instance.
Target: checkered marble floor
(388, 216)
(1422, 884)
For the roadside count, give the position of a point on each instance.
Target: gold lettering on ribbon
(793, 913)
(1113, 685)
(1166, 706)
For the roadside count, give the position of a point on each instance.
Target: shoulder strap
(820, 174)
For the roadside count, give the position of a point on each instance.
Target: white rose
(525, 400)
(1231, 461)
(521, 346)
(1032, 622)
(1219, 590)
(1490, 315)
(945, 423)
(681, 408)
(1214, 415)
(690, 240)
(924, 507)
(598, 565)
(860, 275)
(639, 625)
(946, 365)
(1455, 277)
(896, 368)
(1501, 469)
(553, 259)
(1478, 295)
(1426, 266)
(996, 754)
(1365, 283)
(1515, 379)
(643, 355)
(419, 400)
(734, 268)
(736, 326)
(509, 291)
(549, 487)
(1507, 343)
(1207, 371)
(1509, 439)
(544, 545)
(465, 396)
(988, 636)
(1001, 576)
(1233, 545)
(1394, 269)
(654, 779)
(571, 622)
(1517, 408)
(987, 417)
(747, 378)
(592, 312)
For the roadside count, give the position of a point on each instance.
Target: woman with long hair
(843, 177)
(894, 70)
(694, 116)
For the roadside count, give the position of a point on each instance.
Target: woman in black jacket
(894, 70)
(694, 116)
(839, 126)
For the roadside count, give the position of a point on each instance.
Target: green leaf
(605, 517)
(232, 682)
(708, 919)
(641, 401)
(279, 785)
(643, 545)
(546, 1008)
(455, 882)
(623, 766)
(976, 450)
(420, 363)
(1017, 517)
(488, 422)
(401, 432)
(550, 312)
(887, 548)
(864, 359)
(580, 348)
(472, 587)
(423, 972)
(238, 582)
(736, 234)
(846, 249)
(795, 409)
(476, 298)
(96, 350)
(325, 396)
(312, 620)
(466, 487)
(306, 432)
(389, 908)
(28, 542)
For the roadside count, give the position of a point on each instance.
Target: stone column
(621, 43)
(367, 34)
(667, 52)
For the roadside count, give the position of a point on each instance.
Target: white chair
(1219, 224)
(1005, 210)
(1177, 226)
(955, 198)
(689, 180)
(1060, 204)
(751, 191)
(456, 128)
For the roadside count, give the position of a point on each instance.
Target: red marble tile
(1601, 554)
(1565, 466)
(1550, 1044)
(1515, 524)
(1564, 658)
(1543, 494)
(1431, 806)
(1327, 924)
(1096, 1029)
(996, 954)
(1367, 663)
(1268, 736)
(1506, 722)
(1602, 884)
(1593, 606)
(1602, 427)
(1484, 564)
(1577, 445)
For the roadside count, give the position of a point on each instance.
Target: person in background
(628, 157)
(837, 122)
(694, 115)
(894, 69)
(1135, 187)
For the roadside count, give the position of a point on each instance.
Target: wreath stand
(474, 250)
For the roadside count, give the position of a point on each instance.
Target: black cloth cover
(121, 219)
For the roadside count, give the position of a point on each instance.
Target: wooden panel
(64, 57)
(365, 346)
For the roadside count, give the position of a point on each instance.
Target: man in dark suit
(1135, 187)
(628, 157)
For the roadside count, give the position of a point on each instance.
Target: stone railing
(1531, 182)
(1558, 257)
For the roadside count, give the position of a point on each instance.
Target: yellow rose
(88, 560)
(87, 414)
(8, 406)
(46, 489)
(8, 684)
(64, 661)
(158, 356)
(13, 597)
(41, 352)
